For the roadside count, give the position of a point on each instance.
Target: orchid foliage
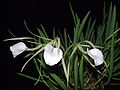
(89, 60)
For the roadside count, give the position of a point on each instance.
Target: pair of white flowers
(53, 55)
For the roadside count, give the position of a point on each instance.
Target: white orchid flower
(96, 55)
(18, 48)
(52, 55)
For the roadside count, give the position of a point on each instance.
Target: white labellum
(52, 55)
(96, 55)
(18, 48)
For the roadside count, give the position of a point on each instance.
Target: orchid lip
(18, 48)
(96, 55)
(52, 55)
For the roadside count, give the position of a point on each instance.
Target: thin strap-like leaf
(20, 38)
(81, 74)
(76, 73)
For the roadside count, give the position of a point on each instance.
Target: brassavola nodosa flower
(52, 55)
(18, 48)
(96, 55)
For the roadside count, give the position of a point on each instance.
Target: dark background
(49, 13)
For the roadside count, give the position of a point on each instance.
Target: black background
(50, 13)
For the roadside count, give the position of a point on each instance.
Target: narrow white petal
(18, 48)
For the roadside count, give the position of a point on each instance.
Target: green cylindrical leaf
(76, 73)
(81, 74)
